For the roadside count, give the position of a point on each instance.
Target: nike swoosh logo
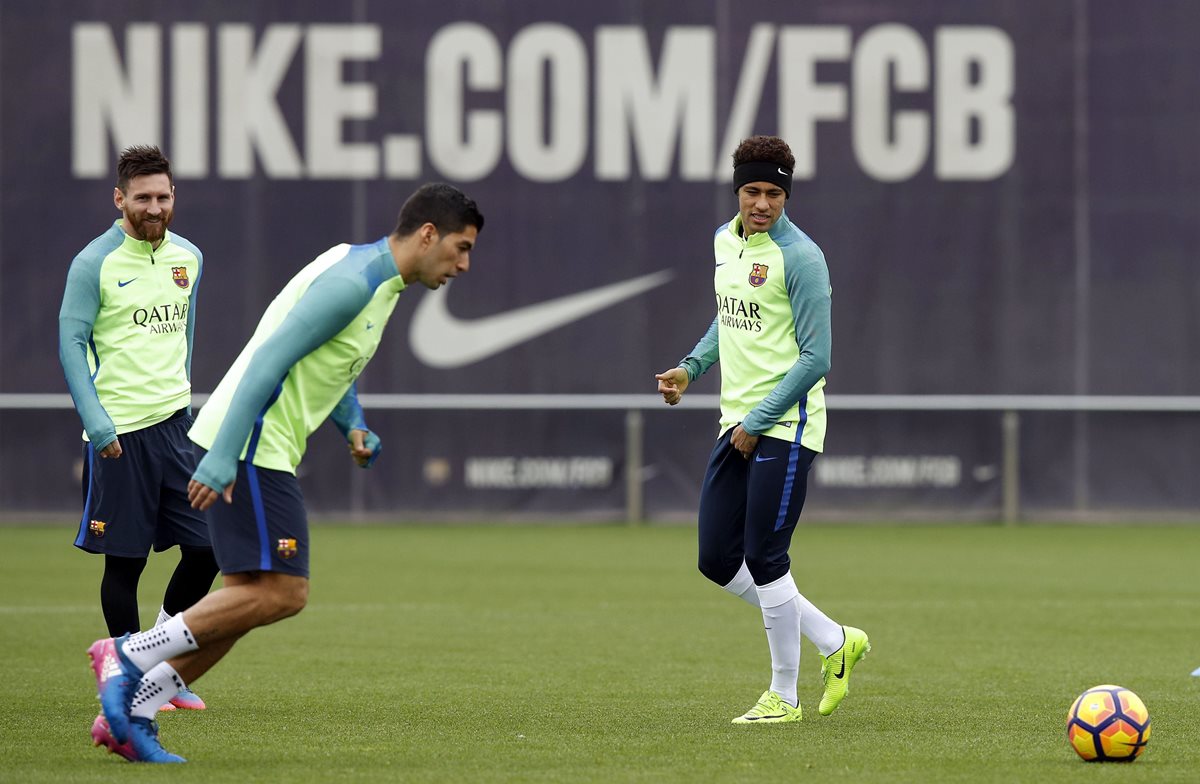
(370, 325)
(441, 340)
(781, 171)
(123, 283)
(841, 673)
(761, 459)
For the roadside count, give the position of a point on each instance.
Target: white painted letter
(189, 100)
(889, 152)
(541, 148)
(802, 100)
(328, 101)
(250, 118)
(746, 97)
(106, 98)
(462, 145)
(984, 103)
(679, 104)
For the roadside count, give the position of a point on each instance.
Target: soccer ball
(1108, 724)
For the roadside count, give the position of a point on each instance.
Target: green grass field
(547, 654)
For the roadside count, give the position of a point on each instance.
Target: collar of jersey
(141, 247)
(760, 237)
(383, 268)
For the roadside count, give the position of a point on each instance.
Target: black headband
(762, 171)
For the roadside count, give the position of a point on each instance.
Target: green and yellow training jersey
(125, 331)
(312, 342)
(771, 333)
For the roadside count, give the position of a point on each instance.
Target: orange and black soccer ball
(1108, 724)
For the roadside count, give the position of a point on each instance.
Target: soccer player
(298, 368)
(125, 342)
(771, 334)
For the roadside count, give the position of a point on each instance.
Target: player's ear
(429, 235)
(118, 198)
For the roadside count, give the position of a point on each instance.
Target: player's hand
(201, 496)
(743, 442)
(359, 449)
(672, 384)
(112, 449)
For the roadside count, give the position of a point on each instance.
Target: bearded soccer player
(298, 368)
(772, 337)
(125, 342)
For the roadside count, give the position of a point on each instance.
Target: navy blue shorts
(265, 528)
(749, 508)
(139, 500)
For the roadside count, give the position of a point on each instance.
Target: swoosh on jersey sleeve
(329, 304)
(76, 319)
(704, 355)
(806, 277)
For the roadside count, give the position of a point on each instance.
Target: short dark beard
(140, 227)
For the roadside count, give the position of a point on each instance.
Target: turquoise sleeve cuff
(216, 471)
(347, 415)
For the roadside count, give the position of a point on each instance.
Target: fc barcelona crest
(180, 275)
(758, 275)
(286, 548)
(96, 528)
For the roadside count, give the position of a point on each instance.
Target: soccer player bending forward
(772, 336)
(298, 368)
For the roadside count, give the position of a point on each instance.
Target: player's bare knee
(290, 597)
(280, 596)
(297, 598)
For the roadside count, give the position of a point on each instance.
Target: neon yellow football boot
(835, 670)
(770, 709)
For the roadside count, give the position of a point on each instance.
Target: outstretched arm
(674, 382)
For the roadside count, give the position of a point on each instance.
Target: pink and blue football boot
(142, 746)
(116, 681)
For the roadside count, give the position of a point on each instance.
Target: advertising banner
(1005, 194)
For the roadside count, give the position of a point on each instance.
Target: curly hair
(770, 149)
(141, 159)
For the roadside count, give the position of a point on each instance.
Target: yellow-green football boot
(836, 668)
(770, 709)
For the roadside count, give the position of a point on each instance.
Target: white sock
(163, 616)
(781, 618)
(816, 626)
(148, 648)
(155, 690)
(742, 586)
